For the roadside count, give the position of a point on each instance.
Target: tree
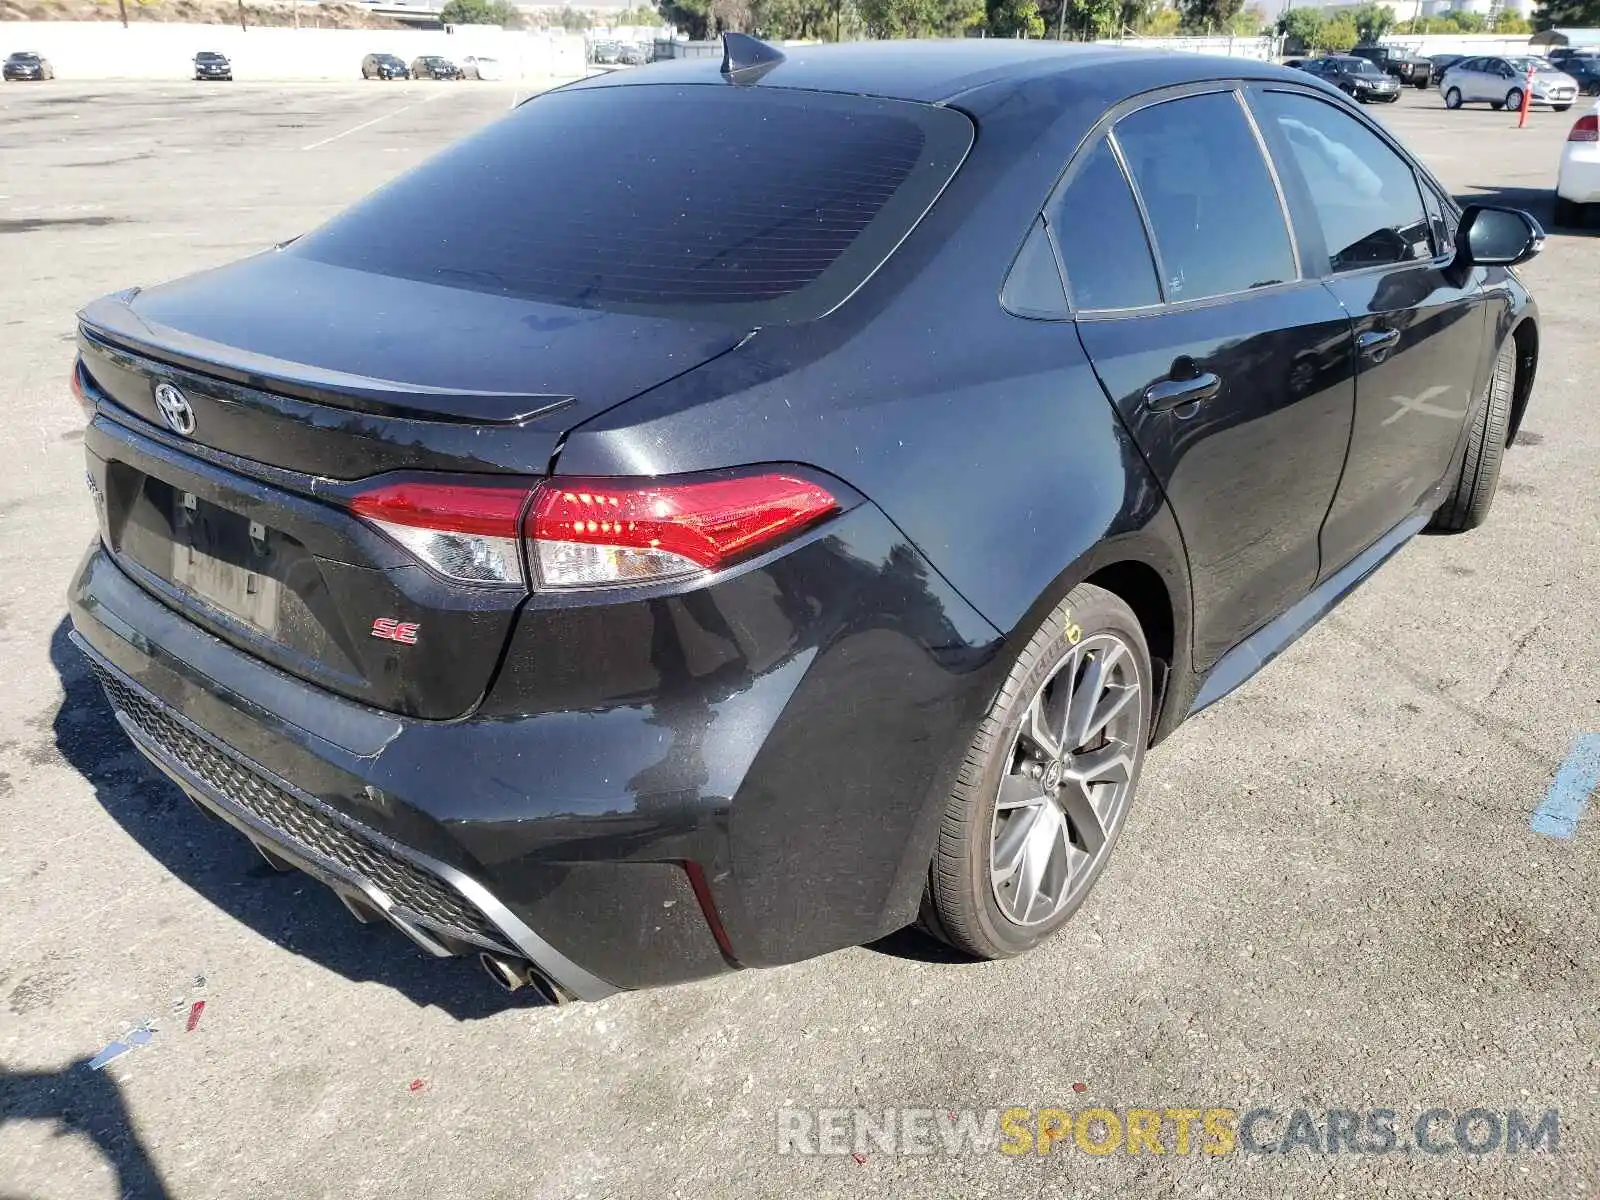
(1015, 18)
(1163, 22)
(1302, 26)
(1567, 14)
(476, 12)
(1251, 22)
(1337, 35)
(1468, 22)
(1372, 21)
(1209, 16)
(919, 18)
(1511, 23)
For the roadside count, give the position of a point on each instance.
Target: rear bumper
(1579, 180)
(726, 811)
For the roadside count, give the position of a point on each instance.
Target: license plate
(199, 529)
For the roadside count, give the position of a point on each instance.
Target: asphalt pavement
(1333, 893)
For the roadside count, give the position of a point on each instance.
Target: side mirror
(1497, 237)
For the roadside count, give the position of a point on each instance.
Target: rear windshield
(758, 202)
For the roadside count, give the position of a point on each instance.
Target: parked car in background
(477, 67)
(1585, 71)
(210, 64)
(1408, 68)
(604, 53)
(632, 56)
(434, 66)
(25, 65)
(1358, 78)
(585, 594)
(1442, 62)
(1500, 82)
(384, 66)
(1578, 181)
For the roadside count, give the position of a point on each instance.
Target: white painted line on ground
(368, 124)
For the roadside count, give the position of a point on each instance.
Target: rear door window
(1214, 209)
(1097, 227)
(761, 204)
(1365, 195)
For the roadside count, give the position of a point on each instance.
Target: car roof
(936, 71)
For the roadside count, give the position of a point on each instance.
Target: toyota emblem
(175, 408)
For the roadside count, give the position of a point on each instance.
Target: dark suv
(432, 66)
(1407, 68)
(384, 66)
(717, 558)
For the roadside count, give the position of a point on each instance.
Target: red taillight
(78, 392)
(1586, 130)
(465, 531)
(594, 532)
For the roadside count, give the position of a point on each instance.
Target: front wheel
(1421, 85)
(1047, 782)
(1452, 98)
(1514, 100)
(1561, 107)
(1467, 506)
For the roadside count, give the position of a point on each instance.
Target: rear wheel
(1047, 782)
(1421, 85)
(1467, 506)
(1561, 107)
(1452, 98)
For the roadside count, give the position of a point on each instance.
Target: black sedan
(26, 65)
(431, 66)
(698, 567)
(1356, 77)
(209, 64)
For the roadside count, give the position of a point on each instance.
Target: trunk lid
(303, 382)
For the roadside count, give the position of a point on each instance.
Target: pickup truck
(1407, 68)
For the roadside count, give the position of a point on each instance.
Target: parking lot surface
(1331, 893)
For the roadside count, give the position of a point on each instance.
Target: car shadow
(914, 945)
(80, 1101)
(1540, 202)
(220, 865)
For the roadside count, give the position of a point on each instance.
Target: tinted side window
(1214, 211)
(1364, 193)
(1101, 236)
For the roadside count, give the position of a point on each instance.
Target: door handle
(1375, 343)
(1168, 394)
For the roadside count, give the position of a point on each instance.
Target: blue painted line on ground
(1570, 790)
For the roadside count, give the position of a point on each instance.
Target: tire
(1560, 107)
(1421, 85)
(1467, 506)
(1514, 100)
(1391, 99)
(1092, 636)
(1452, 98)
(1568, 212)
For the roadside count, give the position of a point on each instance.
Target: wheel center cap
(1052, 776)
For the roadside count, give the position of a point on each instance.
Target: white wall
(1455, 43)
(105, 50)
(1229, 47)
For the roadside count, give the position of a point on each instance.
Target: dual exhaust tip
(512, 974)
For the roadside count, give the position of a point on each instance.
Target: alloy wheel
(1068, 781)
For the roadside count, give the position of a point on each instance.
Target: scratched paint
(1570, 790)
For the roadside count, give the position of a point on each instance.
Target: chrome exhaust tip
(511, 974)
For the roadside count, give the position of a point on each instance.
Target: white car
(1578, 183)
(481, 68)
(1499, 82)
